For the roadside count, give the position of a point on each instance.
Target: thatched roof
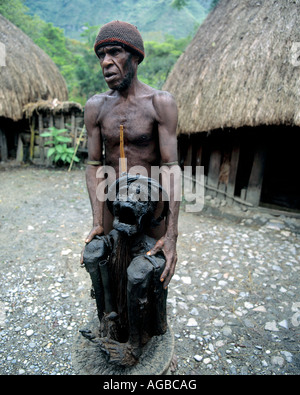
(29, 74)
(51, 106)
(241, 69)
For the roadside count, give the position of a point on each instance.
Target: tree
(88, 72)
(77, 61)
(179, 4)
(159, 60)
(49, 38)
(213, 4)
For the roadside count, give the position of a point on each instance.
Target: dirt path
(234, 302)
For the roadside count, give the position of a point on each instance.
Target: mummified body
(130, 298)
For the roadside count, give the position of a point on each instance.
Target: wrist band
(170, 163)
(94, 162)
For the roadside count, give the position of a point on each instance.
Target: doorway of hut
(280, 188)
(10, 136)
(277, 149)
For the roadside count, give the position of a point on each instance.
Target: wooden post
(234, 161)
(214, 167)
(3, 146)
(199, 154)
(62, 121)
(199, 141)
(41, 139)
(189, 155)
(73, 129)
(20, 152)
(188, 182)
(256, 176)
(221, 194)
(51, 121)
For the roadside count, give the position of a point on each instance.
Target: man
(149, 121)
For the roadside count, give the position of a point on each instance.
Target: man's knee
(158, 263)
(144, 268)
(95, 251)
(139, 270)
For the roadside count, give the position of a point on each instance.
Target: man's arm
(95, 157)
(167, 116)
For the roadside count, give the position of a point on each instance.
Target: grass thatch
(241, 69)
(29, 74)
(51, 106)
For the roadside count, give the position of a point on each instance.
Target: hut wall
(3, 146)
(21, 140)
(41, 120)
(247, 166)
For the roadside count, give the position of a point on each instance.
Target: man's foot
(88, 335)
(109, 326)
(121, 354)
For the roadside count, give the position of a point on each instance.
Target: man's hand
(168, 247)
(96, 231)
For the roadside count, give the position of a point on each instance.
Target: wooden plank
(234, 161)
(277, 213)
(199, 154)
(243, 193)
(20, 151)
(62, 121)
(3, 146)
(221, 194)
(235, 198)
(49, 161)
(214, 167)
(73, 129)
(188, 181)
(178, 154)
(189, 155)
(51, 121)
(32, 138)
(256, 176)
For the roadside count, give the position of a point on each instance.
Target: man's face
(117, 67)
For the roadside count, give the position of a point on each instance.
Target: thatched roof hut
(29, 74)
(238, 91)
(52, 106)
(45, 114)
(241, 69)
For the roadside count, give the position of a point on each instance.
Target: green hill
(52, 25)
(154, 18)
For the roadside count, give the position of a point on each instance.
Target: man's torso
(138, 117)
(141, 141)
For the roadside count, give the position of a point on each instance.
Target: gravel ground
(234, 302)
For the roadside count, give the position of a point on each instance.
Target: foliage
(16, 11)
(88, 72)
(76, 59)
(48, 37)
(159, 60)
(213, 4)
(148, 15)
(179, 4)
(59, 151)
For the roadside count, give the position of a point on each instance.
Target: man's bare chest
(138, 121)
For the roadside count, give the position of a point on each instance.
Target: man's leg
(96, 252)
(139, 277)
(159, 296)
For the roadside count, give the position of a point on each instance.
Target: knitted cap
(123, 33)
